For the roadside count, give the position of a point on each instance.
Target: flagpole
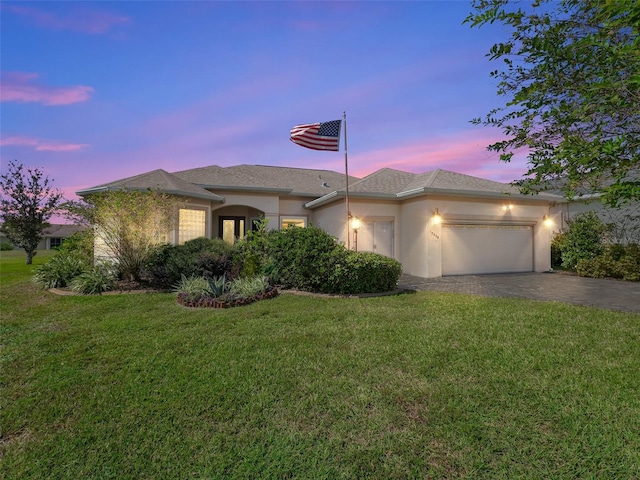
(346, 172)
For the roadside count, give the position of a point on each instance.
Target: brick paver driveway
(603, 293)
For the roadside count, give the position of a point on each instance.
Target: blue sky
(97, 91)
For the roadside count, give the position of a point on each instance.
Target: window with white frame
(291, 221)
(192, 224)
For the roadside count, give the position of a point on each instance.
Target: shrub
(97, 280)
(584, 239)
(253, 254)
(304, 258)
(310, 259)
(218, 286)
(5, 246)
(79, 244)
(193, 285)
(598, 267)
(249, 287)
(630, 263)
(616, 261)
(199, 257)
(557, 244)
(217, 292)
(60, 270)
(365, 272)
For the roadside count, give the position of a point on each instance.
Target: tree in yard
(128, 225)
(28, 201)
(571, 78)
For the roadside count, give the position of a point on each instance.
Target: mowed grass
(425, 385)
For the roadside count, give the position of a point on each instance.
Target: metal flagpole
(346, 172)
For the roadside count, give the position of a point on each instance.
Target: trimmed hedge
(365, 272)
(310, 259)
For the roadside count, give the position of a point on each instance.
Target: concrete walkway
(560, 287)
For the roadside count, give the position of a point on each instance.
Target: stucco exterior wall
(332, 219)
(418, 238)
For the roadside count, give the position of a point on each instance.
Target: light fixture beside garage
(436, 216)
(547, 222)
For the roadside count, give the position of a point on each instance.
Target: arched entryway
(231, 223)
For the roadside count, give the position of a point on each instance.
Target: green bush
(365, 272)
(310, 259)
(97, 280)
(60, 270)
(79, 244)
(6, 246)
(199, 257)
(630, 263)
(304, 258)
(252, 255)
(557, 244)
(616, 261)
(583, 239)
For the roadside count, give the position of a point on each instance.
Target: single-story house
(53, 236)
(435, 223)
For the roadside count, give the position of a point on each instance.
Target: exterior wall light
(436, 216)
(547, 222)
(507, 208)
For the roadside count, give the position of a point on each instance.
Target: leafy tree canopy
(28, 201)
(571, 78)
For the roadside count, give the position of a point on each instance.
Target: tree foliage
(28, 201)
(128, 225)
(584, 238)
(571, 78)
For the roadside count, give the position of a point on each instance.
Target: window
(293, 222)
(192, 225)
(55, 242)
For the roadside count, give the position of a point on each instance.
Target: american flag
(318, 136)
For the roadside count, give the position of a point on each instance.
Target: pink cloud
(42, 145)
(464, 152)
(16, 87)
(84, 21)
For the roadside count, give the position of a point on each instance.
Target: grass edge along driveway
(425, 385)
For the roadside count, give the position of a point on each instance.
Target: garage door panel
(476, 249)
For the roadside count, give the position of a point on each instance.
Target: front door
(231, 229)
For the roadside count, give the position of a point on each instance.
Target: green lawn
(426, 385)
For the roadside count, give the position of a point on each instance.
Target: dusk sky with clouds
(97, 91)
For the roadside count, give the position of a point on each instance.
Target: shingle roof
(62, 230)
(296, 181)
(383, 181)
(391, 181)
(322, 185)
(155, 180)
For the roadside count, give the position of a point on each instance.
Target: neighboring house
(625, 220)
(435, 223)
(53, 236)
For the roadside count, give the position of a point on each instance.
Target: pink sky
(96, 91)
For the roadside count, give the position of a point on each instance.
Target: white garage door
(472, 249)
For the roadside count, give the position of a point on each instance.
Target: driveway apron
(603, 293)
